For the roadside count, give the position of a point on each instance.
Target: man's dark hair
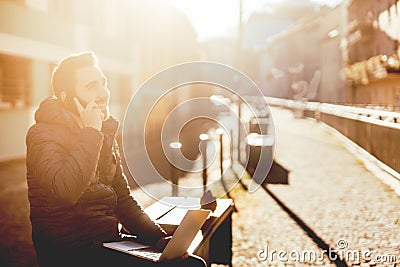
(64, 74)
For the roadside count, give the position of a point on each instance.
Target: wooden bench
(214, 241)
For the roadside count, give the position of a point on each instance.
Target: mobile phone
(70, 104)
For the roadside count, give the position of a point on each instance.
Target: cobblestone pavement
(341, 203)
(330, 191)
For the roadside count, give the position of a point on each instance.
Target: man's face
(91, 85)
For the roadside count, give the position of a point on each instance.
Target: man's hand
(185, 256)
(91, 116)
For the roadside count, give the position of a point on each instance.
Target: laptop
(176, 247)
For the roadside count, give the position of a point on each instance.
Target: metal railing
(376, 131)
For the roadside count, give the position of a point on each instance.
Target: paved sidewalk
(332, 202)
(330, 193)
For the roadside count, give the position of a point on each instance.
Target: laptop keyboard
(149, 253)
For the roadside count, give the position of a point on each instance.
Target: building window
(41, 5)
(61, 9)
(15, 82)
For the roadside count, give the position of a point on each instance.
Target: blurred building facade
(35, 35)
(304, 61)
(257, 57)
(346, 55)
(125, 35)
(372, 40)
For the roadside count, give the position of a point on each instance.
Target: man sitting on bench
(78, 192)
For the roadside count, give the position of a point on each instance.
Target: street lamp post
(207, 201)
(220, 133)
(175, 146)
(203, 147)
(238, 130)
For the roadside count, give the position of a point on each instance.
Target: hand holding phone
(91, 116)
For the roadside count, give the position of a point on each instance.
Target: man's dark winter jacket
(77, 190)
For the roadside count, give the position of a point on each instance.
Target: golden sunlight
(211, 18)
